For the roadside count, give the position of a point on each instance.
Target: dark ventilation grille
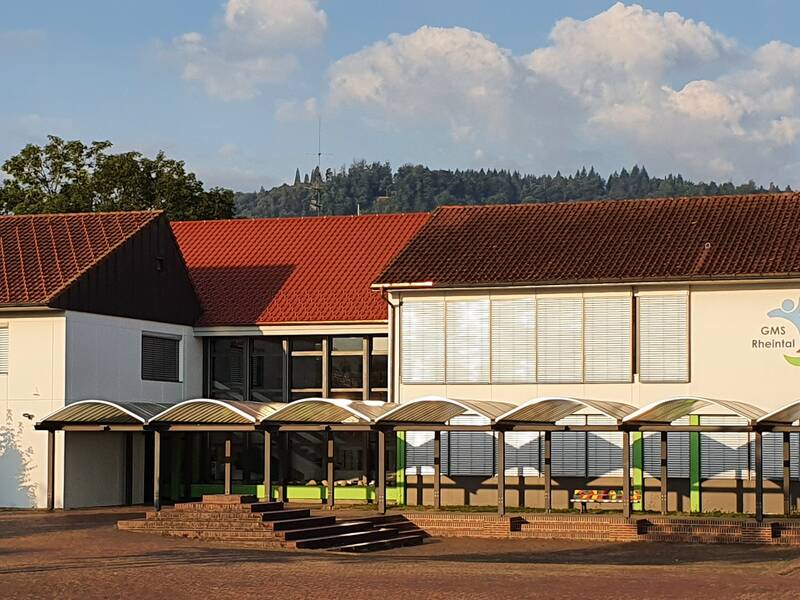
(160, 358)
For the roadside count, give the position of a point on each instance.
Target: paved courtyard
(81, 554)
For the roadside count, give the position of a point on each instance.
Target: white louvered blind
(471, 452)
(468, 341)
(419, 453)
(604, 449)
(4, 350)
(664, 338)
(607, 339)
(569, 449)
(514, 341)
(724, 455)
(422, 342)
(559, 333)
(678, 451)
(772, 444)
(652, 453)
(522, 453)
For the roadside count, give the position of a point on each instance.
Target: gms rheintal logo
(789, 311)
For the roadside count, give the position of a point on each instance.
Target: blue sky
(234, 87)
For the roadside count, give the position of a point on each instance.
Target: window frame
(178, 339)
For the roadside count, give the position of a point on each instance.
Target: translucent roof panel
(329, 411)
(207, 411)
(439, 410)
(552, 409)
(104, 412)
(785, 415)
(672, 409)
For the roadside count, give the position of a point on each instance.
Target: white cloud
(292, 110)
(452, 75)
(626, 85)
(253, 47)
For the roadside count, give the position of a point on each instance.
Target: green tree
(68, 176)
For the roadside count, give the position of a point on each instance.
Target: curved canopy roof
(785, 415)
(552, 409)
(436, 409)
(208, 411)
(328, 410)
(104, 412)
(671, 409)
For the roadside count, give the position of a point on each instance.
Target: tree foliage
(376, 188)
(69, 176)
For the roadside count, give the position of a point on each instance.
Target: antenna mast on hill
(316, 185)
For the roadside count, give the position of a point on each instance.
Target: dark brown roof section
(665, 239)
(123, 264)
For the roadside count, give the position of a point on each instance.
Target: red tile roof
(41, 255)
(292, 270)
(605, 241)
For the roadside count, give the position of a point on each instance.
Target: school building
(408, 358)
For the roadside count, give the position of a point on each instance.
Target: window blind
(724, 455)
(422, 342)
(559, 335)
(514, 341)
(160, 358)
(604, 449)
(569, 449)
(4, 350)
(468, 341)
(651, 441)
(772, 444)
(523, 450)
(607, 339)
(664, 338)
(419, 452)
(678, 451)
(471, 452)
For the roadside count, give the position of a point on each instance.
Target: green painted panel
(400, 473)
(298, 492)
(637, 446)
(695, 498)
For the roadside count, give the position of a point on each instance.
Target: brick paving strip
(82, 554)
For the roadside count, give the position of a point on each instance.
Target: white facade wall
(33, 386)
(60, 357)
(724, 322)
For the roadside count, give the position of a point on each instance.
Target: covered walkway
(431, 413)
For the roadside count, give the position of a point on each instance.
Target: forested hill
(375, 188)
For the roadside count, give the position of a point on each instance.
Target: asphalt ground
(80, 554)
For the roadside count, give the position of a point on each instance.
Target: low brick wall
(607, 528)
(578, 527)
(443, 524)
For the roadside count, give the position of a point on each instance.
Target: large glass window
(227, 368)
(347, 367)
(266, 369)
(306, 367)
(259, 369)
(379, 368)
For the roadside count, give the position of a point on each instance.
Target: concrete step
(168, 524)
(223, 535)
(307, 522)
(344, 539)
(286, 514)
(229, 499)
(327, 530)
(410, 539)
(204, 515)
(229, 507)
